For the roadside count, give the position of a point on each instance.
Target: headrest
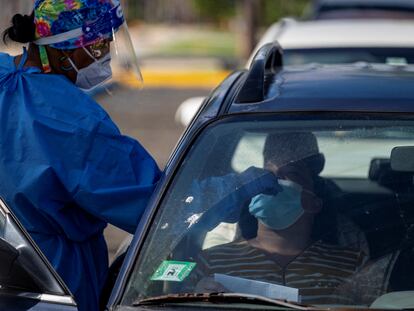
(380, 171)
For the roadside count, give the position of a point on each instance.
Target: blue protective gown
(66, 171)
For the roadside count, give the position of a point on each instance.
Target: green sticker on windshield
(174, 271)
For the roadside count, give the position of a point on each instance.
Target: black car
(292, 188)
(199, 246)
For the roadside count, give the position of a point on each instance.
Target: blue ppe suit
(66, 171)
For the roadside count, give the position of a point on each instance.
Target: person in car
(65, 168)
(295, 238)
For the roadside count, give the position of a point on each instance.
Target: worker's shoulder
(55, 98)
(6, 62)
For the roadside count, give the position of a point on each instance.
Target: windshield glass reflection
(308, 211)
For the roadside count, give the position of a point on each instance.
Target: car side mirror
(13, 269)
(402, 159)
(8, 257)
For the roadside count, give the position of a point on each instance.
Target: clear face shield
(125, 64)
(107, 41)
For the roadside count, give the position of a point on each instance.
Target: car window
(393, 56)
(360, 148)
(297, 208)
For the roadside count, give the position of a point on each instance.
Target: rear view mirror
(402, 159)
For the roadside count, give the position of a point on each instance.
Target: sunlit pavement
(182, 79)
(168, 71)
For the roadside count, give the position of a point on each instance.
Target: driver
(290, 246)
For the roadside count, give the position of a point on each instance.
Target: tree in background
(245, 19)
(270, 10)
(274, 10)
(250, 14)
(161, 11)
(248, 23)
(216, 11)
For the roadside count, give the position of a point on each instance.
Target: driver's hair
(285, 147)
(289, 147)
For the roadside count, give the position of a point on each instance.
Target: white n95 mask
(95, 74)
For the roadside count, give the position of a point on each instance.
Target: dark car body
(267, 89)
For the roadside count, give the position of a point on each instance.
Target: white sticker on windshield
(173, 271)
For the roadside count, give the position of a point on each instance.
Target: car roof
(270, 87)
(292, 34)
(355, 87)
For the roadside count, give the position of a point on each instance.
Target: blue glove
(256, 180)
(221, 198)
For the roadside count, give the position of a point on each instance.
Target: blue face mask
(279, 211)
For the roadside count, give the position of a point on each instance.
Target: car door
(27, 281)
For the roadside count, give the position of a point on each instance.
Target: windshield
(392, 56)
(287, 207)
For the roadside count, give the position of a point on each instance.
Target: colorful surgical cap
(70, 24)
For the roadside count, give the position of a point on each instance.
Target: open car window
(249, 182)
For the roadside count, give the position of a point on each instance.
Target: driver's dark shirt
(316, 272)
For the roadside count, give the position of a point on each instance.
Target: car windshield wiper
(220, 298)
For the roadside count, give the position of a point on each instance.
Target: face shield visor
(103, 32)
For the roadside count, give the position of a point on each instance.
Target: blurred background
(187, 47)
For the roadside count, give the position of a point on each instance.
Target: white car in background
(343, 41)
(334, 9)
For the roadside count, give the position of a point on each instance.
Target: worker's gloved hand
(220, 199)
(256, 180)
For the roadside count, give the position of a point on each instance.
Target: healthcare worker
(65, 168)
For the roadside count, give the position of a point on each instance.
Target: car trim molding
(48, 298)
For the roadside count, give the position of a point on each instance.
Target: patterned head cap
(70, 24)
